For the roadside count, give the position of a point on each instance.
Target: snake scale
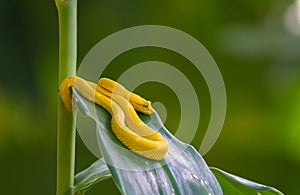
(121, 104)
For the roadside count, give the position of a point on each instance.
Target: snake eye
(145, 105)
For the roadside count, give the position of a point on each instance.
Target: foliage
(182, 171)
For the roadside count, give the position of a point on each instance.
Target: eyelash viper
(121, 104)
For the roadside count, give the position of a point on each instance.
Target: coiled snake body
(121, 104)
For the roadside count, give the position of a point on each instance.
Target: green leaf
(87, 178)
(182, 171)
(232, 184)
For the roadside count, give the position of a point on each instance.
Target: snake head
(148, 107)
(140, 104)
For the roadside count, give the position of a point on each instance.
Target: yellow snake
(121, 104)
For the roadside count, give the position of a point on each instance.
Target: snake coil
(121, 104)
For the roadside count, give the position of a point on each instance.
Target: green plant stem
(67, 14)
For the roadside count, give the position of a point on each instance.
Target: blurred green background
(255, 43)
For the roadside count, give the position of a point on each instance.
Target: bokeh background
(255, 43)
